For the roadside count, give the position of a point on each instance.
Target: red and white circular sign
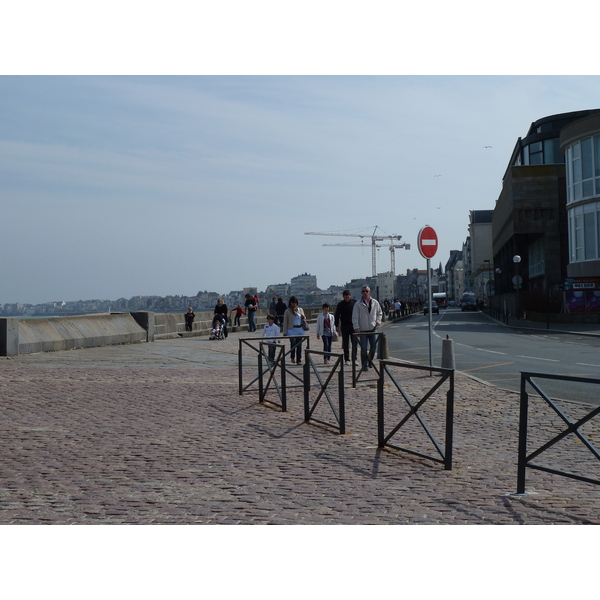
(427, 241)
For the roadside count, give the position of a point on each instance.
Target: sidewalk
(157, 433)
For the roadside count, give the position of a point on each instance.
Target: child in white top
(271, 332)
(325, 329)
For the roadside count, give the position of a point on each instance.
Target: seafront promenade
(157, 433)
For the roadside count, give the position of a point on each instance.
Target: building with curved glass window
(530, 217)
(580, 142)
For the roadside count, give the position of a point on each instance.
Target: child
(239, 311)
(216, 329)
(271, 331)
(325, 329)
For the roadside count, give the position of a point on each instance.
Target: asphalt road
(497, 354)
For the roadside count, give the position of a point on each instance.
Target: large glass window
(589, 235)
(536, 258)
(583, 169)
(584, 228)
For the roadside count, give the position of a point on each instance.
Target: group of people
(351, 317)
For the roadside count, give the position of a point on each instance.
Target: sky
(159, 155)
(115, 186)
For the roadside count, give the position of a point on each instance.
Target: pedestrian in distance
(326, 329)
(343, 325)
(280, 309)
(294, 327)
(251, 307)
(273, 306)
(189, 319)
(366, 317)
(221, 313)
(270, 334)
(239, 311)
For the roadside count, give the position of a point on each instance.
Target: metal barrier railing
(337, 366)
(371, 351)
(273, 365)
(524, 460)
(254, 345)
(445, 454)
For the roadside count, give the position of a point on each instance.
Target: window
(536, 258)
(583, 169)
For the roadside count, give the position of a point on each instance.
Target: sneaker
(348, 362)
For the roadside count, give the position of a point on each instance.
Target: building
(580, 142)
(480, 252)
(302, 287)
(530, 240)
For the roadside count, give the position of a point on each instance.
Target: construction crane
(374, 239)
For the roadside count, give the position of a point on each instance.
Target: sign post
(427, 241)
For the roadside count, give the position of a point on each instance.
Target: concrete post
(382, 350)
(9, 336)
(145, 320)
(448, 354)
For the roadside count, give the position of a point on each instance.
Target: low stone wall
(26, 336)
(172, 325)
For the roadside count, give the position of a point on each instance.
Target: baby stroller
(217, 331)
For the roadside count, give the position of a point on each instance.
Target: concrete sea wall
(26, 336)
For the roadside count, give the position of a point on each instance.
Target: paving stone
(158, 433)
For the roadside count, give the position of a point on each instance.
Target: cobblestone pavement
(158, 433)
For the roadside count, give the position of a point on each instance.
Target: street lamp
(517, 280)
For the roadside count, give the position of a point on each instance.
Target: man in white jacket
(366, 317)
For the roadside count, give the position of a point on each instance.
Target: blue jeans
(327, 339)
(367, 338)
(251, 323)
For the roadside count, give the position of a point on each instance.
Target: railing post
(449, 424)
(283, 382)
(380, 420)
(342, 399)
(522, 458)
(240, 375)
(306, 381)
(260, 375)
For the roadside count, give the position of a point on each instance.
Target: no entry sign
(427, 242)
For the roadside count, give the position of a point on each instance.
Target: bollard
(448, 354)
(382, 350)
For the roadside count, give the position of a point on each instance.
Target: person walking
(294, 324)
(239, 311)
(251, 307)
(280, 309)
(221, 312)
(366, 317)
(326, 329)
(343, 325)
(189, 319)
(273, 306)
(270, 334)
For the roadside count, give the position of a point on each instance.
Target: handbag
(304, 324)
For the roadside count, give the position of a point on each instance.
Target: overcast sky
(114, 185)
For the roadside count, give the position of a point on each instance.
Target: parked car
(434, 308)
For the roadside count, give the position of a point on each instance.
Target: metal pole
(522, 456)
(429, 315)
(380, 420)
